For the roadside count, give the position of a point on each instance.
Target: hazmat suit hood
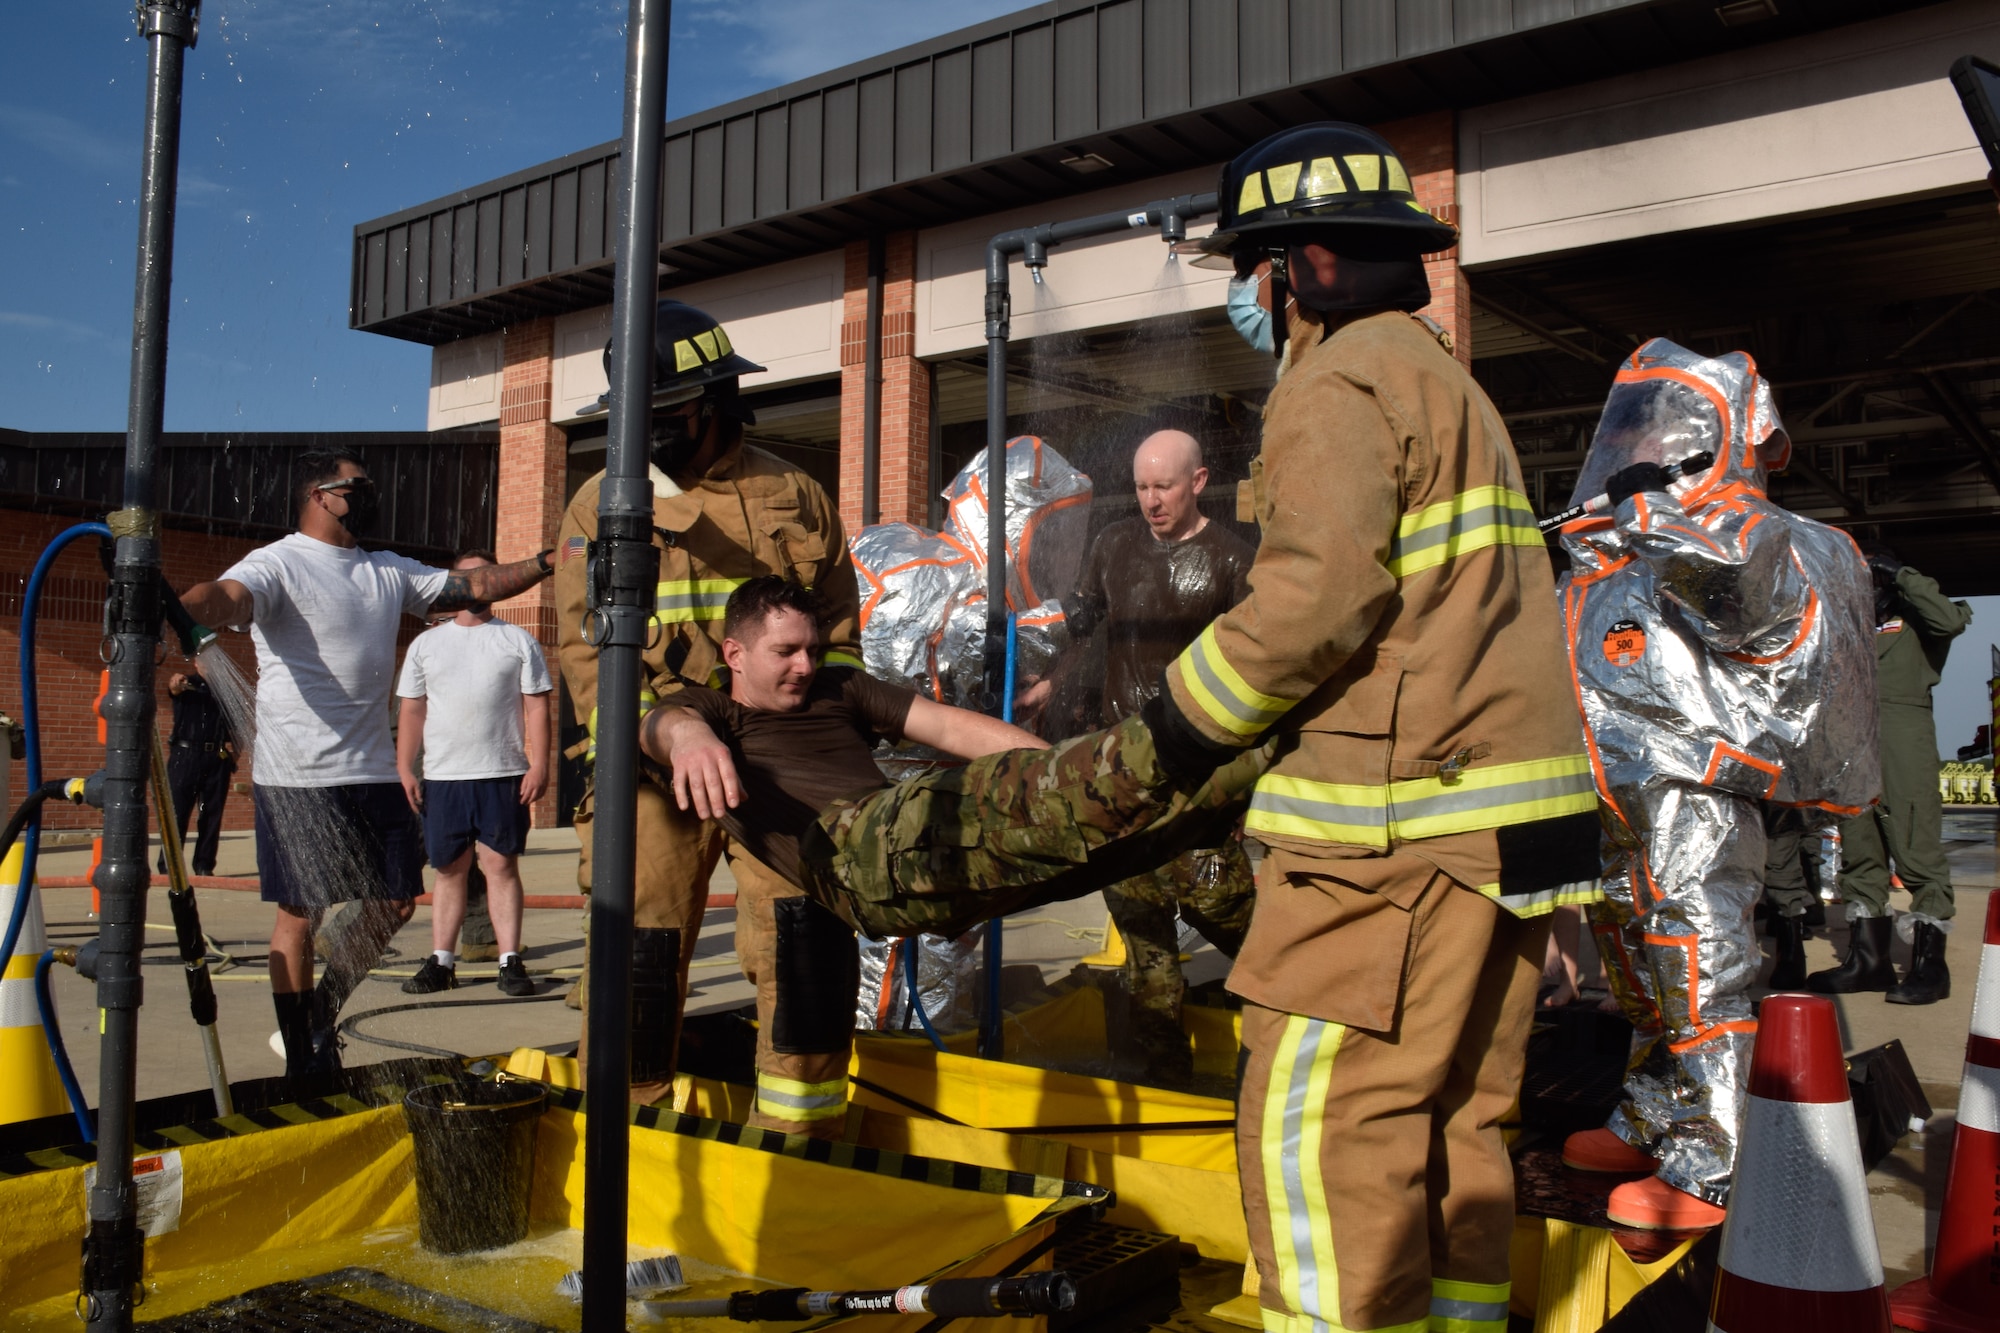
(1668, 403)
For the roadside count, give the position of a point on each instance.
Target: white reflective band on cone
(1979, 1100)
(34, 938)
(1986, 998)
(1798, 1212)
(17, 1004)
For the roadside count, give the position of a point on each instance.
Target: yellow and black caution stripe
(287, 1115)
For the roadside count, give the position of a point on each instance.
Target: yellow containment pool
(292, 1192)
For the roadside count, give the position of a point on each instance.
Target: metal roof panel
(980, 120)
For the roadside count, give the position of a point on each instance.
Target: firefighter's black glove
(1628, 482)
(1185, 754)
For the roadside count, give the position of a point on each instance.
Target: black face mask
(676, 440)
(364, 506)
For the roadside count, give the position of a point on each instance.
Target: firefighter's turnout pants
(798, 955)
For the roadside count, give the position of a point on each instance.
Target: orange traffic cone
(30, 1088)
(1962, 1293)
(1798, 1246)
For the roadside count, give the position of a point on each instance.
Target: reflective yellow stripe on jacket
(1470, 521)
(1365, 815)
(683, 600)
(1223, 693)
(1540, 902)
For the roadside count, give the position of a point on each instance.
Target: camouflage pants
(1014, 830)
(1214, 892)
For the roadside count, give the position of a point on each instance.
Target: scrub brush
(644, 1278)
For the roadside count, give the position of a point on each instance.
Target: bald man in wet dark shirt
(1149, 585)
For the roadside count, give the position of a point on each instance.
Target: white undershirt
(324, 621)
(471, 678)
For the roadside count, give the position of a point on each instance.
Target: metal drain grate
(1124, 1277)
(324, 1305)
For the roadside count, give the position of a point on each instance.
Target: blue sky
(302, 118)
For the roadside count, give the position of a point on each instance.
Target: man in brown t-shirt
(788, 739)
(1152, 583)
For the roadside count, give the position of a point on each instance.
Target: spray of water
(1094, 396)
(320, 850)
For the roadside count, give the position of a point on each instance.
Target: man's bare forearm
(657, 728)
(962, 732)
(488, 583)
(220, 602)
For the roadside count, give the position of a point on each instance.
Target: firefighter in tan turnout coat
(723, 512)
(1431, 799)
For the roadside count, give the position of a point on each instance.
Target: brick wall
(534, 466)
(1428, 145)
(68, 631)
(904, 461)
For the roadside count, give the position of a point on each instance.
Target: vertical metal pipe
(113, 1248)
(999, 320)
(624, 573)
(871, 390)
(934, 459)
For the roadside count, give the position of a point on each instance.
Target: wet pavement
(1905, 1187)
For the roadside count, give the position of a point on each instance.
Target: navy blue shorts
(483, 810)
(322, 845)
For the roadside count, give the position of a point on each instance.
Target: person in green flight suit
(1914, 627)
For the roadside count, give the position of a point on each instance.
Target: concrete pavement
(1906, 1187)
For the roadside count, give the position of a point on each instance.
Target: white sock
(445, 957)
(505, 957)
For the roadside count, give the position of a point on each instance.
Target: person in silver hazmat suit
(1723, 658)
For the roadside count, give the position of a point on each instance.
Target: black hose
(24, 812)
(349, 1026)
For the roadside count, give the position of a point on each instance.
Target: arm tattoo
(488, 583)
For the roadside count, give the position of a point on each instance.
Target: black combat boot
(1788, 946)
(1928, 980)
(1866, 967)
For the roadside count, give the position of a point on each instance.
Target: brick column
(905, 480)
(1428, 145)
(534, 464)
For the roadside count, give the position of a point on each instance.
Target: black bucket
(475, 1150)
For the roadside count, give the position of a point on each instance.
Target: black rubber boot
(1928, 980)
(1788, 946)
(1866, 967)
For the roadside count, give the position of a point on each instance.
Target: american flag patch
(573, 548)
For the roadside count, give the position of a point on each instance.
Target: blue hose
(46, 1003)
(31, 837)
(911, 944)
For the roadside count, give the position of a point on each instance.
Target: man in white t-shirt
(332, 823)
(475, 694)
